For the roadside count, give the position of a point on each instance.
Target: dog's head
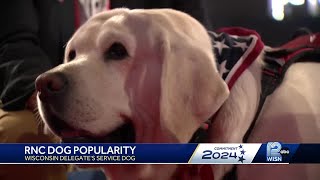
(133, 76)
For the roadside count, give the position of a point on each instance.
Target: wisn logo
(275, 152)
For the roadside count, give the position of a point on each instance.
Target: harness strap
(270, 80)
(272, 76)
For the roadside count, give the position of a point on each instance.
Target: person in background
(33, 35)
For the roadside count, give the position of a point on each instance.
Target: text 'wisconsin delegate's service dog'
(150, 76)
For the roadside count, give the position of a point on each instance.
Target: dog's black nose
(50, 84)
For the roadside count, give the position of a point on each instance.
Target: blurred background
(275, 20)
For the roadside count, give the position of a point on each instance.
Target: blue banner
(204, 153)
(96, 153)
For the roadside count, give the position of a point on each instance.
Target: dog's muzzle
(52, 89)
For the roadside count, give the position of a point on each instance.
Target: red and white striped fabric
(235, 49)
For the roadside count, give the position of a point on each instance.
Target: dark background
(255, 14)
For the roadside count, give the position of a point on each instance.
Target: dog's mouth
(124, 133)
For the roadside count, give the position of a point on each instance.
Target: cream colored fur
(169, 85)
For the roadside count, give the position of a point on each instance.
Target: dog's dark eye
(72, 55)
(116, 52)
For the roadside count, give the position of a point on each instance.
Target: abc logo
(284, 151)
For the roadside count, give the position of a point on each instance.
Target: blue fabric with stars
(235, 52)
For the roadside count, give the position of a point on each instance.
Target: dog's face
(133, 76)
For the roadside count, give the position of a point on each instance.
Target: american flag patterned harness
(235, 50)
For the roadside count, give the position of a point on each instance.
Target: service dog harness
(236, 49)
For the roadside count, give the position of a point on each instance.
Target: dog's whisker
(39, 121)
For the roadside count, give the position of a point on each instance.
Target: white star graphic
(312, 38)
(220, 45)
(234, 36)
(222, 68)
(215, 34)
(241, 45)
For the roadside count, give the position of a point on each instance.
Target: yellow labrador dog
(150, 76)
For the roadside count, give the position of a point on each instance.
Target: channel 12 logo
(275, 152)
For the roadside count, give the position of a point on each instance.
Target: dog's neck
(237, 113)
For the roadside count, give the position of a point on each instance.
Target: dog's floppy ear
(191, 87)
